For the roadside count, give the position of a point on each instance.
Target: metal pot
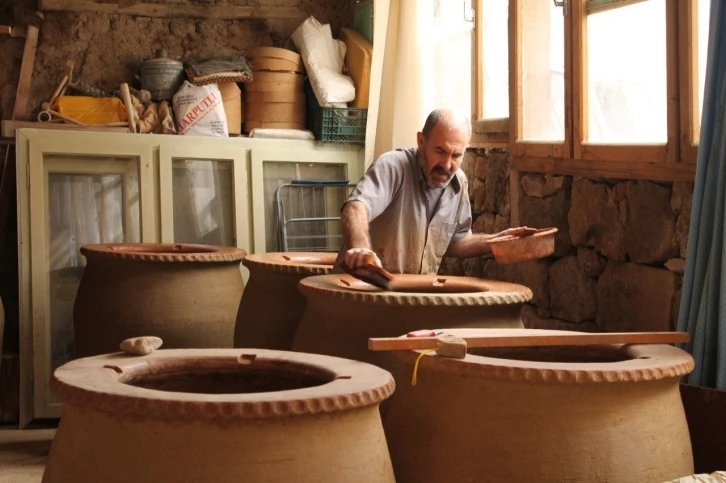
(162, 76)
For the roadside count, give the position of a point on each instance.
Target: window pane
(285, 203)
(495, 58)
(543, 71)
(452, 57)
(626, 56)
(203, 196)
(704, 7)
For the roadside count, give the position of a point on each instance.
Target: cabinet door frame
(351, 158)
(236, 155)
(33, 236)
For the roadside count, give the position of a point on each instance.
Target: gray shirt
(403, 234)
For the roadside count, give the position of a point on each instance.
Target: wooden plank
(26, 71)
(9, 127)
(515, 73)
(492, 125)
(579, 74)
(565, 150)
(479, 60)
(673, 103)
(6, 30)
(596, 6)
(606, 169)
(624, 152)
(223, 11)
(489, 140)
(524, 340)
(688, 74)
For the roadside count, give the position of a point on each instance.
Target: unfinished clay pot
(610, 413)
(272, 306)
(342, 312)
(204, 415)
(186, 294)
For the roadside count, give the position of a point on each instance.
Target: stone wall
(619, 252)
(108, 49)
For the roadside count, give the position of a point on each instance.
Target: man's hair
(438, 115)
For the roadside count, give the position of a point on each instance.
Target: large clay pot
(272, 306)
(205, 415)
(342, 312)
(548, 414)
(186, 294)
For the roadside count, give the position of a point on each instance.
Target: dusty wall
(619, 254)
(108, 49)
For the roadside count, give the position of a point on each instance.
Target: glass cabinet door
(314, 210)
(84, 195)
(204, 196)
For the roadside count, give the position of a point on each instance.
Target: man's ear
(420, 139)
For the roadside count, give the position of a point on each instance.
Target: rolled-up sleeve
(379, 185)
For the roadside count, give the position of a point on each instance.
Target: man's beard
(430, 180)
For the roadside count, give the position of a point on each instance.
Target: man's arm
(356, 237)
(476, 244)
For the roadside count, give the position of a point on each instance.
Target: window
(610, 88)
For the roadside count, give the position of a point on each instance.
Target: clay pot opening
(322, 259)
(245, 375)
(437, 285)
(163, 249)
(562, 354)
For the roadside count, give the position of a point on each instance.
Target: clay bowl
(514, 249)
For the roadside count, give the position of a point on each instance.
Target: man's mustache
(443, 171)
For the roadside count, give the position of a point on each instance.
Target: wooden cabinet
(86, 187)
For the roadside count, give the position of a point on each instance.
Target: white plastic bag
(199, 111)
(323, 58)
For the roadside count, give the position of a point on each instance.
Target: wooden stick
(26, 71)
(66, 118)
(126, 96)
(517, 340)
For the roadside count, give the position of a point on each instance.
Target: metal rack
(304, 218)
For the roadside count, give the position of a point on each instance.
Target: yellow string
(415, 367)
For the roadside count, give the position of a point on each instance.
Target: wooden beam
(663, 171)
(9, 127)
(688, 78)
(672, 69)
(26, 71)
(222, 11)
(492, 125)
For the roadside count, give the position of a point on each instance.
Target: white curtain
(421, 61)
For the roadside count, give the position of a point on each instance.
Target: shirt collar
(455, 183)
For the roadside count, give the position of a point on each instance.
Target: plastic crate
(335, 124)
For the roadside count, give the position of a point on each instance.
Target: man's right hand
(357, 257)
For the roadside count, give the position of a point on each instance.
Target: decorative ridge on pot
(105, 383)
(479, 291)
(637, 362)
(307, 263)
(164, 252)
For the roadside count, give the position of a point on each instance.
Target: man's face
(441, 154)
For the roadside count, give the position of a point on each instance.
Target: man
(412, 206)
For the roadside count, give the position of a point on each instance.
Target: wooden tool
(523, 340)
(126, 97)
(372, 274)
(26, 71)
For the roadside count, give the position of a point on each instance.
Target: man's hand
(518, 231)
(357, 257)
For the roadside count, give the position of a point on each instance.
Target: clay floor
(23, 453)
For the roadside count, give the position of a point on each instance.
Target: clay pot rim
(164, 252)
(303, 263)
(649, 362)
(95, 382)
(498, 293)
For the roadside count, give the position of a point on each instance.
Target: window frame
(673, 161)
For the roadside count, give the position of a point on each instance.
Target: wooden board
(20, 111)
(223, 11)
(523, 340)
(9, 127)
(606, 169)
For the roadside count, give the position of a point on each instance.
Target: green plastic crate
(363, 18)
(334, 124)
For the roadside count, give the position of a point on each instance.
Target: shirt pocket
(446, 231)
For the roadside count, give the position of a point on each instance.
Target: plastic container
(335, 124)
